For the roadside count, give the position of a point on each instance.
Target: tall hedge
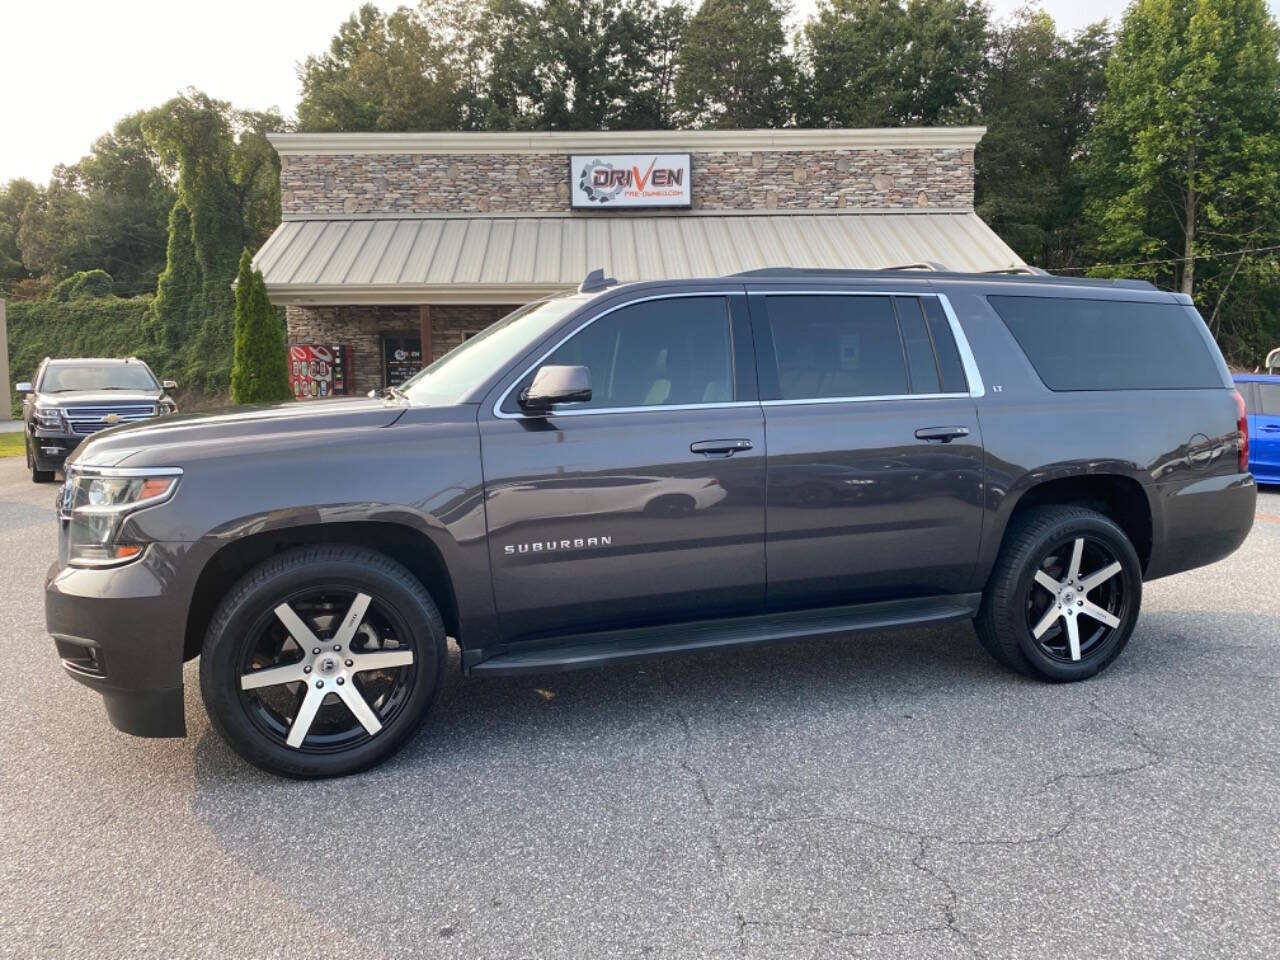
(96, 327)
(260, 368)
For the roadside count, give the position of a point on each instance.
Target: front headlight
(95, 503)
(48, 418)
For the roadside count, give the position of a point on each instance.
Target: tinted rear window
(830, 347)
(1270, 394)
(1110, 344)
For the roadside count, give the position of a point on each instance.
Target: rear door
(1265, 427)
(645, 504)
(874, 487)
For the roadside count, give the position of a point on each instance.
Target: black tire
(1014, 604)
(37, 475)
(234, 638)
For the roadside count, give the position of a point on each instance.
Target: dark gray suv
(653, 468)
(70, 399)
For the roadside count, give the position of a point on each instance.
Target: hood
(99, 398)
(150, 439)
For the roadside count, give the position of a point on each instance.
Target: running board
(579, 651)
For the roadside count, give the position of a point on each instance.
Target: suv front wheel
(37, 475)
(1064, 596)
(322, 661)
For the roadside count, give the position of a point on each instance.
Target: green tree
(177, 312)
(1041, 94)
(874, 63)
(399, 71)
(128, 200)
(260, 369)
(107, 211)
(228, 186)
(14, 197)
(499, 65)
(650, 37)
(732, 69)
(1185, 158)
(85, 285)
(53, 231)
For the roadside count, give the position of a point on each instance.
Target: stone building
(398, 246)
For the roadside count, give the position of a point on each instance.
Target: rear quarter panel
(1178, 445)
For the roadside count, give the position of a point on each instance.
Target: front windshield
(457, 373)
(97, 376)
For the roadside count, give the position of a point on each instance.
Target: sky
(71, 68)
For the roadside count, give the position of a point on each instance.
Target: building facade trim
(339, 144)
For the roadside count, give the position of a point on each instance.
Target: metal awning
(511, 259)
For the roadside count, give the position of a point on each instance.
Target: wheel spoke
(272, 676)
(298, 629)
(351, 622)
(1077, 552)
(1097, 613)
(1100, 577)
(357, 704)
(306, 714)
(1046, 621)
(1046, 581)
(381, 660)
(1073, 635)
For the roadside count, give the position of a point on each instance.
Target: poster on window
(401, 359)
(318, 370)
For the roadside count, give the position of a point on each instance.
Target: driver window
(655, 353)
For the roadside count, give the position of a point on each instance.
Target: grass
(11, 444)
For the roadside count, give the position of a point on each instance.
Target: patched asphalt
(894, 795)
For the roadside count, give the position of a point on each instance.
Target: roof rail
(933, 265)
(1025, 269)
(596, 280)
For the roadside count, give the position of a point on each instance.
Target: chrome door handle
(719, 448)
(941, 434)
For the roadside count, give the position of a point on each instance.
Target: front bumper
(50, 448)
(120, 631)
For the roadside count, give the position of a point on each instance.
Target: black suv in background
(651, 468)
(71, 399)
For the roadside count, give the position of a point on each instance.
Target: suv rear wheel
(1064, 596)
(322, 661)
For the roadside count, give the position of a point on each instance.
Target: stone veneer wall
(317, 184)
(363, 326)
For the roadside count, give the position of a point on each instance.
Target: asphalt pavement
(888, 795)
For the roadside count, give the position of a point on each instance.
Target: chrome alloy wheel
(326, 669)
(1071, 613)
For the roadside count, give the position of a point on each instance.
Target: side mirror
(25, 387)
(169, 384)
(552, 385)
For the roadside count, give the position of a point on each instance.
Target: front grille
(87, 420)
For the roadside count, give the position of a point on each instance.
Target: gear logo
(590, 177)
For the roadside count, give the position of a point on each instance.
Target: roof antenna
(596, 280)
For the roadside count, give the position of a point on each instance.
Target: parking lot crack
(1152, 754)
(837, 933)
(1046, 836)
(719, 856)
(951, 904)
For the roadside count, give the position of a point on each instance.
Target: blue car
(1262, 403)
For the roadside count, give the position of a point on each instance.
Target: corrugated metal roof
(513, 258)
